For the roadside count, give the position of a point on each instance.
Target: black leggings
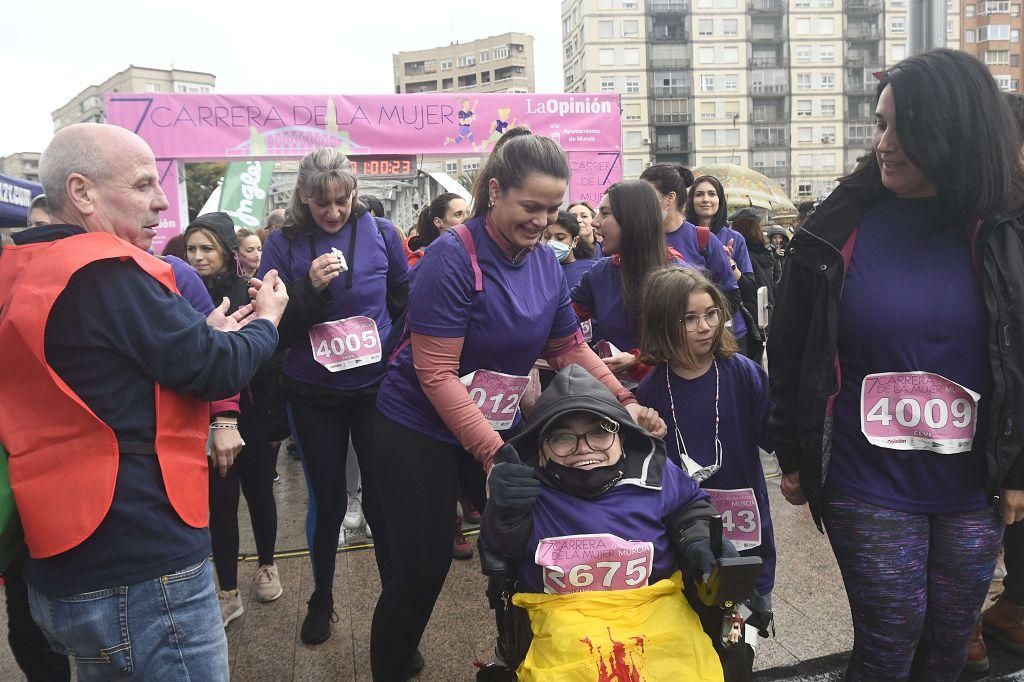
(31, 649)
(253, 473)
(419, 487)
(322, 436)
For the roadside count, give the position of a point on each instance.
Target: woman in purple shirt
(346, 275)
(704, 252)
(486, 302)
(896, 365)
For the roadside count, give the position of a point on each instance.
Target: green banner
(243, 195)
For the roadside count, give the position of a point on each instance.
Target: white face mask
(561, 250)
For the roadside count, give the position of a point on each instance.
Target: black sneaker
(316, 628)
(417, 665)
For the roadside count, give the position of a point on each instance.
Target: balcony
(863, 32)
(768, 62)
(768, 89)
(773, 171)
(870, 62)
(668, 34)
(770, 137)
(854, 87)
(663, 117)
(667, 7)
(419, 68)
(668, 91)
(668, 146)
(670, 64)
(766, 6)
(762, 36)
(863, 6)
(772, 117)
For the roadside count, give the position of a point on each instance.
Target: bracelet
(223, 425)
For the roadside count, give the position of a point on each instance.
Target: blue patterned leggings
(916, 583)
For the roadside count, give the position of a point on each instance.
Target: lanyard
(697, 472)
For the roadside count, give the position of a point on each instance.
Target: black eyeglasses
(692, 320)
(599, 439)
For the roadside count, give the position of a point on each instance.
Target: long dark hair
(517, 155)
(668, 178)
(720, 218)
(957, 127)
(426, 230)
(634, 205)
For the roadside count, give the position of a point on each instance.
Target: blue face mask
(561, 250)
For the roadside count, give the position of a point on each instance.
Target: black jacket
(804, 336)
(767, 269)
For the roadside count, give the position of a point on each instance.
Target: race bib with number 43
(497, 395)
(345, 344)
(918, 411)
(584, 563)
(741, 519)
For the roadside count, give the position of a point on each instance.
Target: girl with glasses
(715, 403)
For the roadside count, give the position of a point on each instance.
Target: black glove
(514, 486)
(701, 559)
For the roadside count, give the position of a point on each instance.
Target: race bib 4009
(918, 411)
(584, 563)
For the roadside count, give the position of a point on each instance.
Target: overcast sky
(51, 51)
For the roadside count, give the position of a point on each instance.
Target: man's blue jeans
(167, 628)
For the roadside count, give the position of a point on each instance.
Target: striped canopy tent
(745, 187)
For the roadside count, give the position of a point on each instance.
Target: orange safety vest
(63, 458)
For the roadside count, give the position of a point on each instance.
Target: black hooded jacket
(804, 337)
(576, 390)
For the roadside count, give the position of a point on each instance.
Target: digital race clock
(384, 166)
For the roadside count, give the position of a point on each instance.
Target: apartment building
(87, 106)
(501, 63)
(785, 87)
(24, 165)
(991, 32)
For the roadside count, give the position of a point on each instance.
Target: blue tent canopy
(15, 196)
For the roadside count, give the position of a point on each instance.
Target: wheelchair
(725, 604)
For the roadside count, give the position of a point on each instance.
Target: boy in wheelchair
(586, 529)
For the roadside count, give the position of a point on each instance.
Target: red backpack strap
(463, 233)
(847, 250)
(703, 237)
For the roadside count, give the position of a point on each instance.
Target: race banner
(215, 127)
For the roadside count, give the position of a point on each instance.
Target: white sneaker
(354, 516)
(230, 605)
(368, 533)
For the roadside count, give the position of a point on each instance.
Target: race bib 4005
(344, 344)
(918, 411)
(583, 563)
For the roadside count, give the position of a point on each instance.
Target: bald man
(106, 372)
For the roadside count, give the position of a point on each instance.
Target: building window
(632, 112)
(467, 60)
(995, 7)
(994, 32)
(804, 134)
(898, 25)
(803, 81)
(634, 167)
(828, 135)
(707, 83)
(705, 27)
(502, 52)
(630, 28)
(730, 55)
(707, 111)
(996, 57)
(826, 26)
(605, 29)
(828, 108)
(730, 27)
(803, 107)
(827, 53)
(451, 167)
(606, 57)
(828, 81)
(484, 56)
(706, 55)
(631, 56)
(607, 85)
(632, 86)
(707, 138)
(806, 161)
(969, 11)
(803, 188)
(633, 139)
(153, 87)
(949, 28)
(1014, 38)
(803, 53)
(968, 36)
(446, 64)
(899, 52)
(803, 27)
(825, 161)
(1004, 82)
(732, 82)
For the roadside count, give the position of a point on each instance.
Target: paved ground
(813, 629)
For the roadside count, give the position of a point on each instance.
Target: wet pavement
(813, 631)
